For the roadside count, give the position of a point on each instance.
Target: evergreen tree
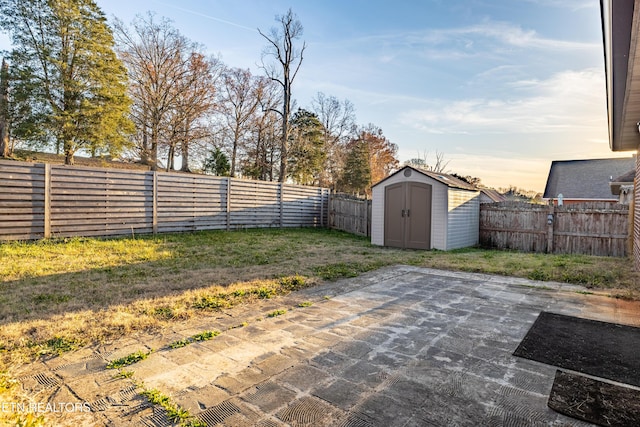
(217, 163)
(356, 176)
(67, 81)
(307, 153)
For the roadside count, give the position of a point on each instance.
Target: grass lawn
(59, 295)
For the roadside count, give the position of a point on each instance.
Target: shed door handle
(403, 213)
(408, 211)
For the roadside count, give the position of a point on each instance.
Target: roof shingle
(585, 179)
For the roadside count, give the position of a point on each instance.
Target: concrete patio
(401, 346)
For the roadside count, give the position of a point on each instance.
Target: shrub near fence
(42, 200)
(587, 228)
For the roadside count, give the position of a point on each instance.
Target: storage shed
(419, 209)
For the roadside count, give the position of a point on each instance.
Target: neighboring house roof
(493, 195)
(444, 178)
(620, 28)
(585, 179)
(622, 180)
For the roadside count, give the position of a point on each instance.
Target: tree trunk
(285, 132)
(171, 156)
(153, 150)
(184, 148)
(68, 154)
(185, 158)
(5, 148)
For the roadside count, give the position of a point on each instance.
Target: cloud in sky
(567, 100)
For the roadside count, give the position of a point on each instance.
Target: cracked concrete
(401, 346)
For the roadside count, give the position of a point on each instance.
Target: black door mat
(595, 401)
(601, 349)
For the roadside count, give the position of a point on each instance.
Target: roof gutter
(617, 29)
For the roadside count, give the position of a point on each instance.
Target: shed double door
(407, 215)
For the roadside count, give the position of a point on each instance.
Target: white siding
(438, 209)
(377, 215)
(438, 215)
(464, 218)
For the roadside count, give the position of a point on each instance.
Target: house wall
(636, 217)
(464, 218)
(439, 204)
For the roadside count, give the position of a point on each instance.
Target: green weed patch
(128, 360)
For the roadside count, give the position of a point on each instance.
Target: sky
(500, 88)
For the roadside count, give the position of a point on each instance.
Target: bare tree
(195, 102)
(339, 121)
(156, 56)
(238, 103)
(261, 148)
(288, 58)
(439, 163)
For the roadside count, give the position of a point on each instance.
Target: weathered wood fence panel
(190, 202)
(586, 228)
(40, 201)
(22, 201)
(97, 202)
(350, 214)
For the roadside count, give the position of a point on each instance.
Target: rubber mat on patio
(601, 349)
(595, 401)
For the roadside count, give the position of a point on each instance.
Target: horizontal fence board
(6, 212)
(108, 228)
(90, 201)
(8, 185)
(23, 195)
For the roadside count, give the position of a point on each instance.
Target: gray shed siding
(464, 219)
(455, 213)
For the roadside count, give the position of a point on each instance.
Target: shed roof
(585, 179)
(493, 194)
(444, 178)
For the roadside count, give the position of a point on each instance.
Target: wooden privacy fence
(43, 200)
(587, 228)
(350, 214)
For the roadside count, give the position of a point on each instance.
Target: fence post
(550, 224)
(369, 206)
(228, 207)
(366, 216)
(154, 214)
(281, 194)
(47, 200)
(630, 224)
(321, 207)
(329, 207)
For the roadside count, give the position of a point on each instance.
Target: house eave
(620, 23)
